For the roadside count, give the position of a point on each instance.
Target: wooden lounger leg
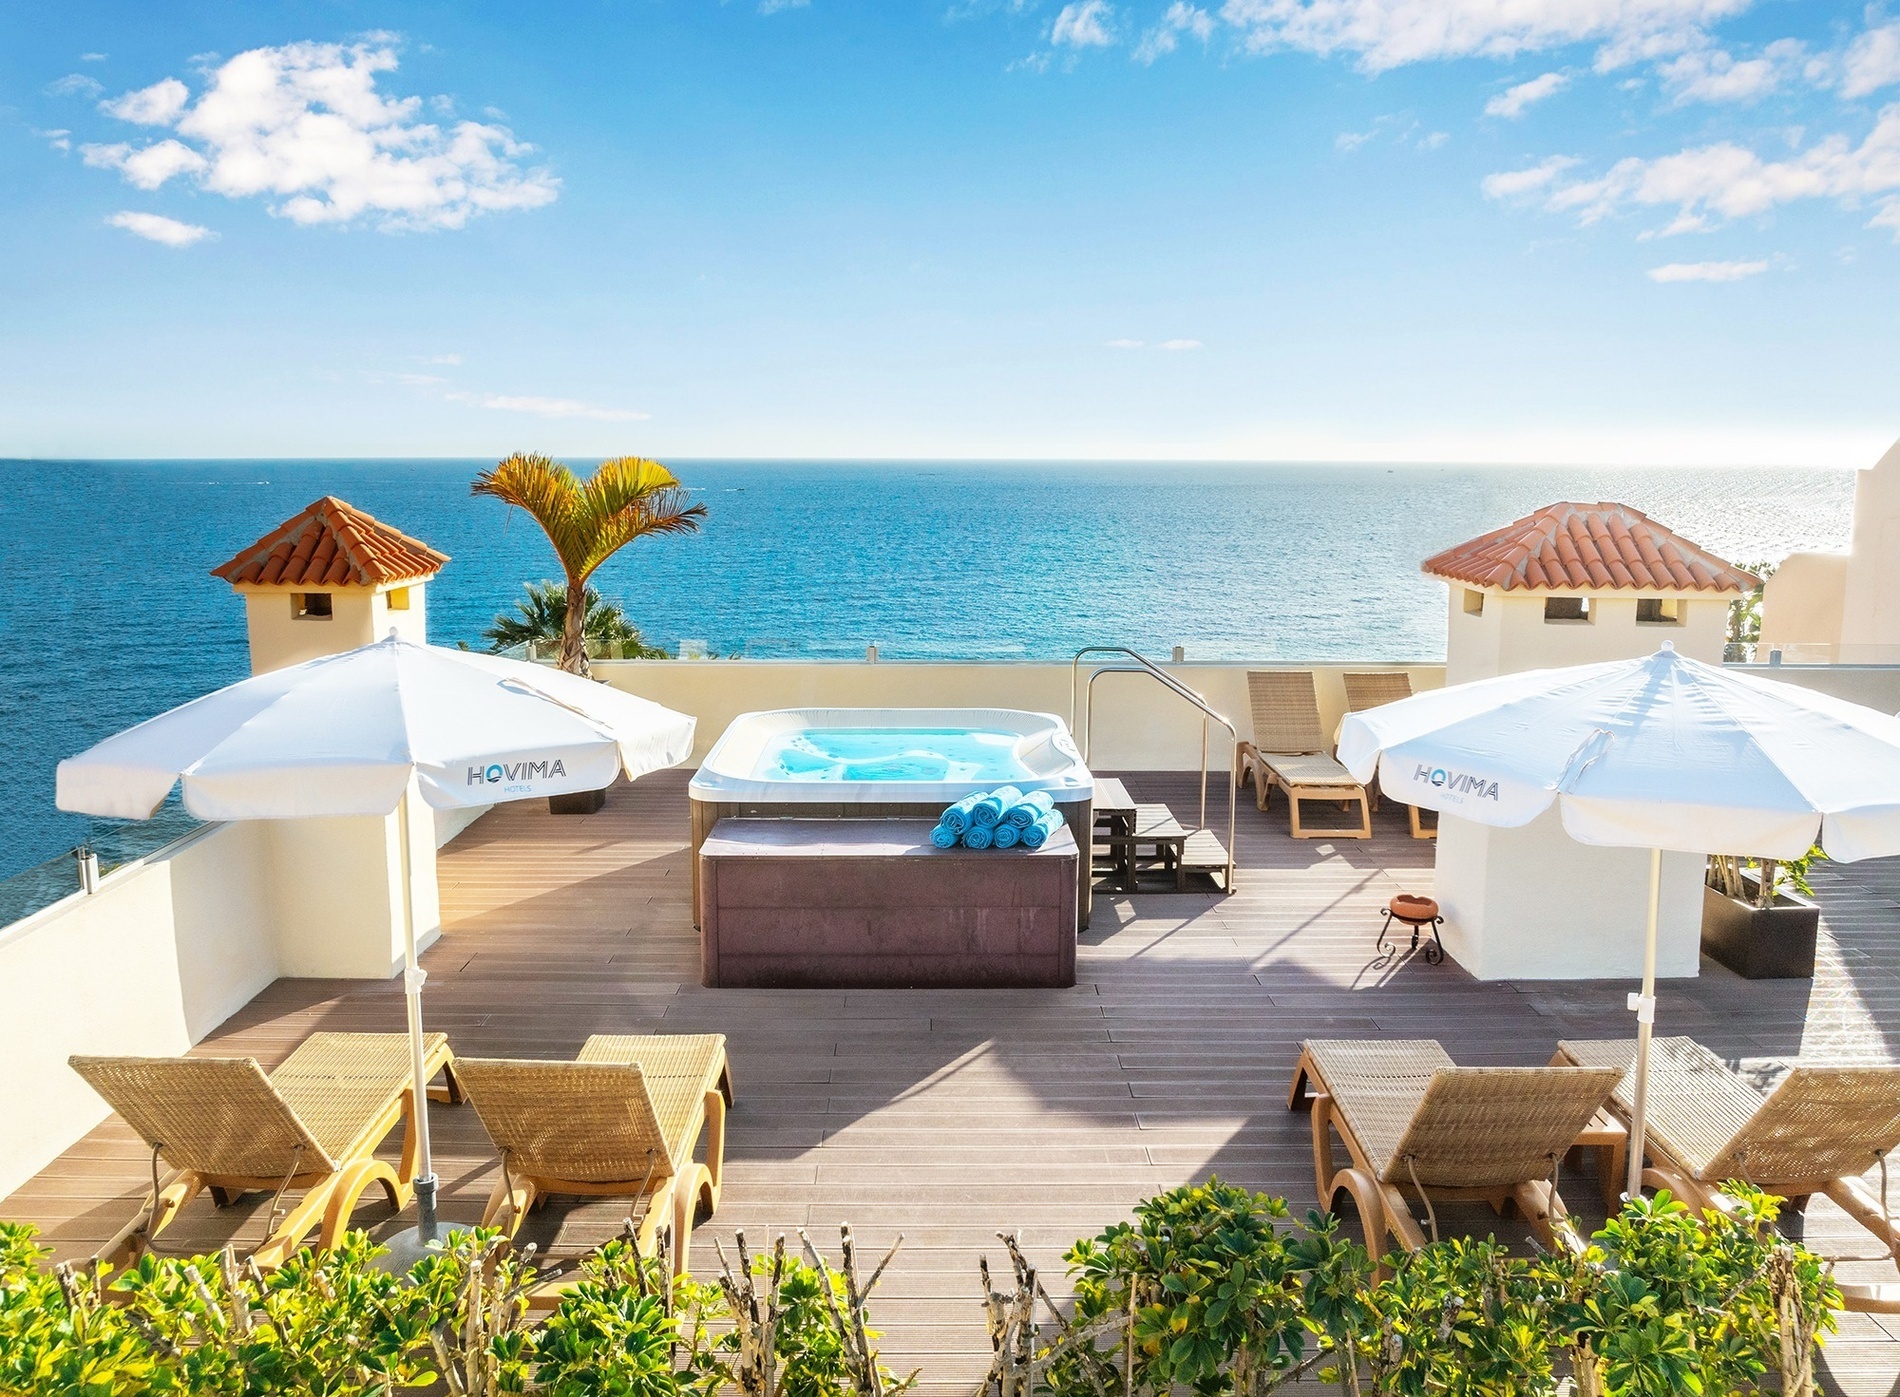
(355, 1182)
(1323, 1170)
(450, 1092)
(1399, 1220)
(508, 1206)
(1864, 1209)
(283, 1243)
(1302, 1073)
(1544, 1210)
(174, 1191)
(715, 1144)
(1369, 1199)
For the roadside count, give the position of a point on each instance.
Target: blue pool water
(892, 754)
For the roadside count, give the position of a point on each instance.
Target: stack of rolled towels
(998, 819)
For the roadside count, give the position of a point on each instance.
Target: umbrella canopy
(346, 734)
(343, 735)
(1658, 753)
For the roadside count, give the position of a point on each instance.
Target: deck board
(951, 1114)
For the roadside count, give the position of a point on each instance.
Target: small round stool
(1416, 913)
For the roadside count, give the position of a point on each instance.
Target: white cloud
(1165, 37)
(1714, 75)
(1175, 346)
(1388, 33)
(303, 125)
(440, 359)
(157, 105)
(1512, 102)
(1124, 344)
(547, 407)
(148, 167)
(1707, 271)
(1709, 184)
(1084, 24)
(59, 139)
(1349, 141)
(1514, 184)
(772, 7)
(74, 85)
(1872, 61)
(159, 229)
(1434, 140)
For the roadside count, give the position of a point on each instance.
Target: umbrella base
(577, 803)
(405, 1249)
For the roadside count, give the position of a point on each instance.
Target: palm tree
(541, 619)
(626, 498)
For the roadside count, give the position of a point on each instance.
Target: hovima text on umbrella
(1460, 781)
(516, 771)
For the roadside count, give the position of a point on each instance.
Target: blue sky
(1621, 231)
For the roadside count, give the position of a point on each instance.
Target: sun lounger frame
(326, 1109)
(1420, 1128)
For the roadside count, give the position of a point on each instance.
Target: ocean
(108, 613)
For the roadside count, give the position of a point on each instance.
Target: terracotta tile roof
(331, 544)
(1588, 547)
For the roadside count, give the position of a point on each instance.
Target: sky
(1582, 231)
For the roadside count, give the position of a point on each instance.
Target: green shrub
(1210, 1290)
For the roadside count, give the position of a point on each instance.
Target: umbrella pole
(412, 978)
(1645, 1006)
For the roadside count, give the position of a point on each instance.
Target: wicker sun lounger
(313, 1124)
(1290, 751)
(1375, 689)
(1818, 1131)
(619, 1122)
(1421, 1128)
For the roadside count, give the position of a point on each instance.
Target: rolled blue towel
(944, 837)
(989, 810)
(1005, 835)
(1029, 809)
(978, 836)
(957, 817)
(1040, 833)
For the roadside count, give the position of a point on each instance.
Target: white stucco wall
(359, 615)
(1801, 606)
(1583, 916)
(1533, 903)
(165, 951)
(1870, 603)
(1510, 635)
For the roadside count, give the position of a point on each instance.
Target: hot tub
(886, 763)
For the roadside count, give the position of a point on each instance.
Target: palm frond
(549, 492)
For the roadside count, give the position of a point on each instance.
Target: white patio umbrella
(1657, 753)
(347, 734)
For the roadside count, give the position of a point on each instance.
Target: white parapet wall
(1138, 724)
(166, 950)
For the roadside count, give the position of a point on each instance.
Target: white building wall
(164, 952)
(1532, 903)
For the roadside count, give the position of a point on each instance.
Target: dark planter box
(579, 803)
(1761, 943)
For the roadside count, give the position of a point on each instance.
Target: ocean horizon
(112, 615)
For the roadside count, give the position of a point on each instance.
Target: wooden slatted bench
(868, 903)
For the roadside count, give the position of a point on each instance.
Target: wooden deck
(950, 1114)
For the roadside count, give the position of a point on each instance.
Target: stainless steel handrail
(1143, 665)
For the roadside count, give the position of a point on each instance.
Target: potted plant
(1758, 916)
